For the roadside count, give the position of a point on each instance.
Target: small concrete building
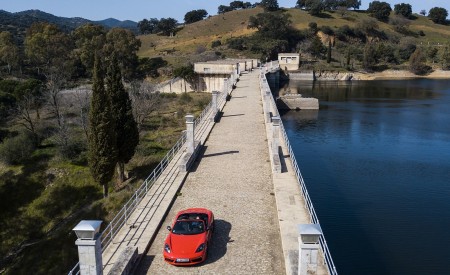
(289, 61)
(213, 75)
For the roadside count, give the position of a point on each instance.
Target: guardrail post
(89, 247)
(275, 134)
(308, 254)
(190, 133)
(214, 106)
(266, 107)
(268, 102)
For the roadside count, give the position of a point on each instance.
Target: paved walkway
(233, 178)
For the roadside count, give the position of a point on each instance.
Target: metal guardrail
(123, 215)
(309, 205)
(121, 218)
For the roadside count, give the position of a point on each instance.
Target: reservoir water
(376, 162)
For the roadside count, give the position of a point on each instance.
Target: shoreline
(400, 75)
(362, 76)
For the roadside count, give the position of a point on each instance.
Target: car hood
(184, 244)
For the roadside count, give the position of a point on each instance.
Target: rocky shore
(388, 74)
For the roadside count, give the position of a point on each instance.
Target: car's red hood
(185, 244)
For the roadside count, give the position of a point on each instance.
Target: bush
(216, 43)
(17, 149)
(185, 98)
(236, 44)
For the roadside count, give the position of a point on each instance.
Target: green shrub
(185, 98)
(216, 43)
(17, 149)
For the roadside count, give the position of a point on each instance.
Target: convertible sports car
(187, 242)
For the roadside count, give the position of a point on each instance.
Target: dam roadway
(232, 177)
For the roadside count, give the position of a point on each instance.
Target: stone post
(190, 133)
(89, 247)
(308, 254)
(214, 105)
(275, 134)
(226, 85)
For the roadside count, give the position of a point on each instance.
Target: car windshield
(188, 227)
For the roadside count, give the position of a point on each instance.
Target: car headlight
(167, 248)
(200, 248)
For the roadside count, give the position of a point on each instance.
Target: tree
(423, 12)
(403, 9)
(438, 15)
(315, 7)
(236, 5)
(124, 44)
(47, 46)
(354, 4)
(167, 25)
(223, 9)
(145, 99)
(444, 57)
(148, 26)
(102, 153)
(329, 52)
(194, 16)
(271, 25)
(316, 47)
(187, 73)
(416, 63)
(89, 41)
(270, 5)
(125, 126)
(380, 10)
(369, 57)
(9, 51)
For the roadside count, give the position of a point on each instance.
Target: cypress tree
(329, 52)
(102, 135)
(126, 127)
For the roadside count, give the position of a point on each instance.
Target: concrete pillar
(308, 248)
(275, 133)
(215, 106)
(190, 133)
(226, 84)
(89, 247)
(266, 107)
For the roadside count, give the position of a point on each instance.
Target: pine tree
(102, 135)
(126, 127)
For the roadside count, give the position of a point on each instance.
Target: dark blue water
(376, 162)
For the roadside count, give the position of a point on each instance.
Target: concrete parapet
(126, 261)
(188, 158)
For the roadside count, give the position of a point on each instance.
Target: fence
(121, 218)
(309, 206)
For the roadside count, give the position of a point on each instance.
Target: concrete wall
(177, 85)
(209, 83)
(214, 68)
(289, 61)
(297, 102)
(302, 76)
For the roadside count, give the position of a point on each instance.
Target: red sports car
(187, 242)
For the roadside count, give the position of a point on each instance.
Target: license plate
(182, 260)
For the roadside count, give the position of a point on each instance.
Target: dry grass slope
(179, 49)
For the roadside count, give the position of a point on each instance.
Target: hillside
(18, 22)
(193, 41)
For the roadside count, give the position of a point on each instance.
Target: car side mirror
(169, 228)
